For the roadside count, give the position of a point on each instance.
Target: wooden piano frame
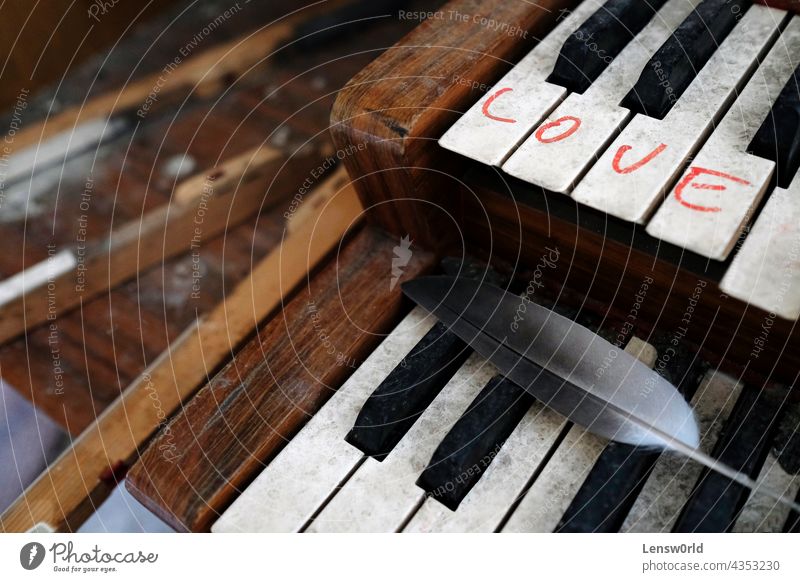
(396, 109)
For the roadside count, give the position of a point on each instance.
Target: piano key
(766, 270)
(473, 442)
(778, 138)
(288, 492)
(399, 400)
(599, 40)
(676, 64)
(502, 483)
(502, 118)
(640, 166)
(607, 494)
(405, 394)
(781, 472)
(718, 193)
(744, 445)
(558, 165)
(382, 496)
(552, 491)
(671, 481)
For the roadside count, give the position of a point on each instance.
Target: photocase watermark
(184, 52)
(166, 441)
(466, 475)
(623, 335)
(14, 126)
(321, 170)
(471, 83)
(549, 260)
(82, 236)
(342, 359)
(100, 8)
(783, 288)
(53, 336)
(402, 256)
(457, 16)
(677, 338)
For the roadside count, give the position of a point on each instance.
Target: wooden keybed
(402, 104)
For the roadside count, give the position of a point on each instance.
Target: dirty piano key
(635, 172)
(382, 496)
(676, 64)
(778, 138)
(292, 488)
(399, 400)
(716, 500)
(502, 118)
(781, 472)
(551, 492)
(502, 483)
(405, 394)
(718, 193)
(473, 442)
(599, 40)
(670, 483)
(606, 496)
(568, 141)
(766, 270)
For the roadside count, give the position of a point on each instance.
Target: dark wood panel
(236, 423)
(402, 102)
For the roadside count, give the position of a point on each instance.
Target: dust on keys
(685, 126)
(480, 455)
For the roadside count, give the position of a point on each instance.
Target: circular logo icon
(31, 555)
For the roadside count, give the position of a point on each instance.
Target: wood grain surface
(72, 487)
(236, 423)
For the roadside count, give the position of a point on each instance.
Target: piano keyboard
(483, 456)
(682, 128)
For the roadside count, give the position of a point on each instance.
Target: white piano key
(308, 470)
(555, 488)
(504, 117)
(503, 482)
(761, 513)
(382, 496)
(559, 165)
(671, 482)
(766, 270)
(710, 220)
(634, 173)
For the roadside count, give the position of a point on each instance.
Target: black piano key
(409, 389)
(675, 65)
(473, 442)
(747, 437)
(609, 491)
(778, 138)
(598, 41)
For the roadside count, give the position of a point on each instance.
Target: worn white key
(381, 497)
(490, 130)
(635, 172)
(555, 159)
(761, 513)
(670, 483)
(555, 488)
(314, 463)
(716, 196)
(766, 270)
